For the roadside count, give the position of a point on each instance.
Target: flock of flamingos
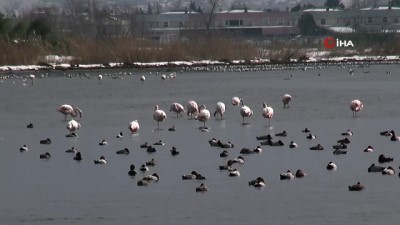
(202, 114)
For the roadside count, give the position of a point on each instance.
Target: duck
(45, 156)
(153, 177)
(120, 135)
(174, 151)
(331, 166)
(369, 149)
(152, 162)
(300, 174)
(78, 156)
(383, 159)
(282, 134)
(306, 130)
(226, 145)
(340, 146)
(144, 168)
(271, 143)
(258, 182)
(142, 183)
(46, 141)
(29, 126)
(393, 136)
(132, 172)
(200, 177)
(292, 144)
(72, 150)
(214, 142)
(347, 133)
(228, 166)
(373, 168)
(388, 171)
(102, 160)
(386, 133)
(159, 143)
(145, 145)
(311, 136)
(202, 188)
(356, 187)
(124, 151)
(204, 129)
(264, 137)
(151, 149)
(258, 149)
(317, 147)
(344, 141)
(71, 135)
(190, 176)
(172, 128)
(234, 173)
(286, 176)
(239, 159)
(339, 152)
(23, 149)
(224, 154)
(103, 142)
(246, 151)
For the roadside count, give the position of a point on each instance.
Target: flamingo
(172, 75)
(69, 110)
(134, 126)
(32, 77)
(286, 99)
(163, 77)
(235, 101)
(73, 126)
(245, 111)
(204, 115)
(219, 109)
(268, 112)
(177, 108)
(192, 108)
(356, 106)
(159, 116)
(142, 79)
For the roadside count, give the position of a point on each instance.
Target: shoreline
(267, 64)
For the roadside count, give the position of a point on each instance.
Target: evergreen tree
(307, 24)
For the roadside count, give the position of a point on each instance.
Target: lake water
(63, 191)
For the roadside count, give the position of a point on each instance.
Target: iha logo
(331, 42)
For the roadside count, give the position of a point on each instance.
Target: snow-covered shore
(202, 63)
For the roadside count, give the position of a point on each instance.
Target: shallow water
(63, 191)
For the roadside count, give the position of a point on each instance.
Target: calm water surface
(63, 191)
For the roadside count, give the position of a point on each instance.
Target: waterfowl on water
(174, 151)
(286, 176)
(124, 151)
(132, 172)
(356, 187)
(103, 142)
(347, 133)
(29, 126)
(373, 168)
(23, 149)
(71, 150)
(144, 168)
(300, 174)
(102, 160)
(45, 156)
(46, 141)
(153, 177)
(202, 188)
(78, 156)
(369, 149)
(258, 182)
(152, 162)
(317, 147)
(383, 159)
(292, 145)
(331, 166)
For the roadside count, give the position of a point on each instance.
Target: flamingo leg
(158, 125)
(269, 122)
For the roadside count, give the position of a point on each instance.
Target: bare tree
(213, 4)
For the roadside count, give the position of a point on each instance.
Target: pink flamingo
(73, 126)
(245, 111)
(235, 101)
(286, 99)
(134, 126)
(268, 112)
(69, 110)
(177, 108)
(159, 116)
(356, 106)
(203, 115)
(32, 77)
(219, 109)
(192, 108)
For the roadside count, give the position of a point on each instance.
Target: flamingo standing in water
(134, 126)
(268, 112)
(286, 99)
(177, 108)
(32, 77)
(235, 101)
(356, 106)
(69, 110)
(73, 126)
(192, 108)
(142, 79)
(159, 116)
(219, 109)
(245, 111)
(204, 115)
